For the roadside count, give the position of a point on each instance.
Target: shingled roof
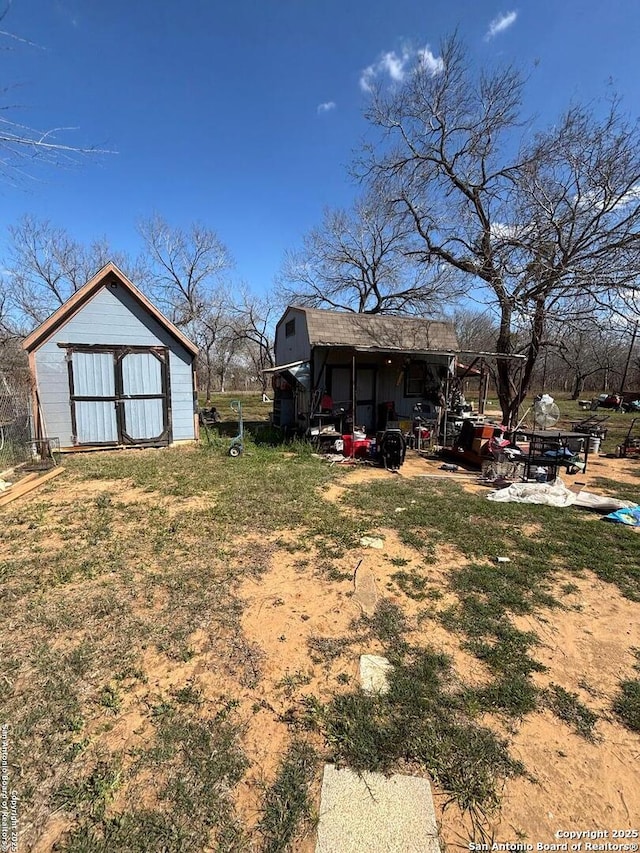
(378, 331)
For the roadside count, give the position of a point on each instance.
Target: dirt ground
(574, 784)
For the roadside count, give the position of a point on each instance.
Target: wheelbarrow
(237, 443)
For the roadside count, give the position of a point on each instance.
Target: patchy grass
(91, 794)
(388, 623)
(328, 649)
(444, 514)
(624, 491)
(121, 601)
(427, 718)
(194, 762)
(568, 708)
(98, 587)
(422, 720)
(287, 808)
(626, 705)
(413, 584)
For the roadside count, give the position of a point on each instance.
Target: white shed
(109, 369)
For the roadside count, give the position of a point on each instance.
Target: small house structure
(363, 368)
(109, 369)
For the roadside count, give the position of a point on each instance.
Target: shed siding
(110, 317)
(296, 347)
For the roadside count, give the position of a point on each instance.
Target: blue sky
(213, 105)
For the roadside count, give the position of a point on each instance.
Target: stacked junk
(459, 435)
(389, 447)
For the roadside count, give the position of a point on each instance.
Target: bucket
(360, 446)
(594, 444)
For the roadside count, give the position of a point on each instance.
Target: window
(414, 380)
(290, 328)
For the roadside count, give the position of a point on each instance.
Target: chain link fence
(15, 422)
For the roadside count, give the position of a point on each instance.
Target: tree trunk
(503, 368)
(578, 386)
(209, 377)
(510, 395)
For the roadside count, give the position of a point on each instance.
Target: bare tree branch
(548, 218)
(360, 261)
(22, 146)
(45, 266)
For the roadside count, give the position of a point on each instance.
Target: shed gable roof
(79, 299)
(378, 331)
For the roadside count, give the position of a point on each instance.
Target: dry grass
(140, 685)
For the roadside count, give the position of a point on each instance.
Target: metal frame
(119, 352)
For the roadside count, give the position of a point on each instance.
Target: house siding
(110, 317)
(296, 347)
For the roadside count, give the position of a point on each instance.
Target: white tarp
(556, 494)
(602, 503)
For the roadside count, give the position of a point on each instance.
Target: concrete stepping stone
(365, 590)
(375, 814)
(374, 674)
(372, 542)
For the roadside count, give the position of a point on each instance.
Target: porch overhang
(404, 352)
(415, 353)
(300, 371)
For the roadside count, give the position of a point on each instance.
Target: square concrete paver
(374, 674)
(375, 814)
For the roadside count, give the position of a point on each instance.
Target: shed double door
(119, 395)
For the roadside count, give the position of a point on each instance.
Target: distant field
(617, 424)
(253, 409)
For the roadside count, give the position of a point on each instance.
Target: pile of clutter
(388, 449)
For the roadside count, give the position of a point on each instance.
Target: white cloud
(500, 24)
(429, 62)
(600, 198)
(366, 79)
(632, 196)
(506, 231)
(326, 107)
(396, 66)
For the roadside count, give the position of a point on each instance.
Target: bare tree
(475, 330)
(21, 146)
(215, 335)
(6, 326)
(528, 221)
(582, 345)
(45, 266)
(185, 267)
(359, 261)
(254, 320)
